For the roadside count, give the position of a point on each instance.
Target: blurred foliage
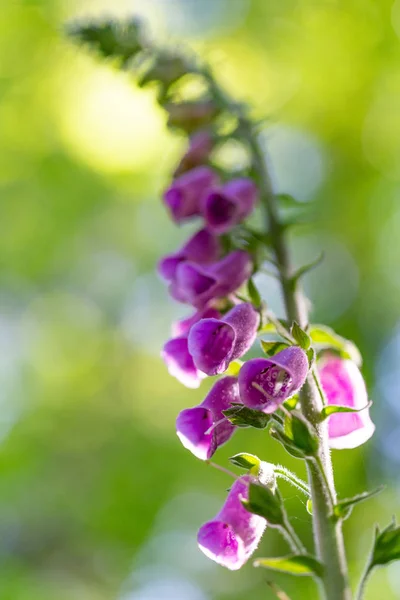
(97, 498)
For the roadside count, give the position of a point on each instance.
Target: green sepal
(266, 503)
(332, 409)
(245, 461)
(301, 337)
(343, 508)
(272, 348)
(241, 416)
(291, 403)
(294, 564)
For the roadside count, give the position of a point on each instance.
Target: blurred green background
(98, 500)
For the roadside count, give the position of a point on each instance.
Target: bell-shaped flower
(183, 326)
(184, 198)
(180, 363)
(198, 284)
(202, 429)
(230, 204)
(214, 343)
(202, 248)
(200, 147)
(234, 534)
(265, 383)
(344, 385)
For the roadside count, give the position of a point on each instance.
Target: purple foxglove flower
(183, 327)
(344, 385)
(202, 429)
(265, 383)
(185, 195)
(229, 205)
(198, 284)
(202, 248)
(234, 534)
(214, 343)
(179, 362)
(200, 147)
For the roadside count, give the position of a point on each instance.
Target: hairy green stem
(328, 537)
(291, 537)
(363, 581)
(292, 479)
(327, 533)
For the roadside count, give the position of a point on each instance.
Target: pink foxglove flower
(184, 198)
(234, 534)
(200, 147)
(344, 385)
(202, 429)
(202, 248)
(265, 383)
(230, 204)
(180, 363)
(214, 343)
(198, 284)
(183, 326)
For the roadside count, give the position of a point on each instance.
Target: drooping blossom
(202, 248)
(200, 147)
(265, 383)
(183, 326)
(234, 534)
(198, 284)
(203, 428)
(214, 343)
(344, 385)
(230, 204)
(179, 362)
(184, 197)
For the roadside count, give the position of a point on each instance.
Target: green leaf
(277, 432)
(343, 508)
(253, 292)
(301, 337)
(301, 434)
(386, 545)
(272, 348)
(327, 411)
(266, 503)
(245, 461)
(241, 416)
(311, 357)
(306, 268)
(294, 564)
(325, 338)
(110, 38)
